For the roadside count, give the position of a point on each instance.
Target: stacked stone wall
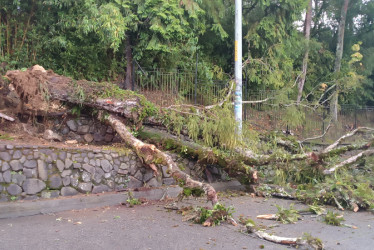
(33, 172)
(85, 129)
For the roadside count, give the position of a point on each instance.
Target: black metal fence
(166, 88)
(180, 87)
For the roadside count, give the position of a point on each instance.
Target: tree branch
(350, 134)
(6, 117)
(349, 161)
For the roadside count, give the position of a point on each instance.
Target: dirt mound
(31, 85)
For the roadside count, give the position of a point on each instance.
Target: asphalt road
(150, 226)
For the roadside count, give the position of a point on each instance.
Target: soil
(26, 100)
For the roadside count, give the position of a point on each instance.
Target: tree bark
(151, 156)
(338, 59)
(129, 65)
(307, 26)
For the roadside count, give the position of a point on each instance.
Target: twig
(6, 117)
(259, 101)
(267, 216)
(224, 100)
(338, 204)
(350, 226)
(326, 91)
(317, 137)
(274, 238)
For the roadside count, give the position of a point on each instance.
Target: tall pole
(238, 65)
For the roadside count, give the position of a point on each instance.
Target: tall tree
(307, 26)
(338, 58)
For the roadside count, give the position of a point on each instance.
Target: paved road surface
(152, 227)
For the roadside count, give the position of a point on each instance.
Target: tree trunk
(340, 43)
(151, 156)
(36, 84)
(308, 23)
(338, 59)
(39, 88)
(129, 63)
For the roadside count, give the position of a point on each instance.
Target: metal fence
(167, 88)
(180, 87)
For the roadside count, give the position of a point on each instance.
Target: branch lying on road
(298, 241)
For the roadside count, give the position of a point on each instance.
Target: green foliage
(215, 216)
(76, 110)
(5, 136)
(177, 122)
(193, 127)
(196, 192)
(131, 201)
(286, 216)
(316, 243)
(334, 219)
(318, 210)
(293, 116)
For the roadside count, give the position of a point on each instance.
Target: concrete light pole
(238, 65)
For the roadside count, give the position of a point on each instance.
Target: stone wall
(31, 172)
(85, 129)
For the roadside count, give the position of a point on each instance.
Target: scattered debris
(267, 217)
(131, 201)
(334, 219)
(286, 216)
(71, 142)
(51, 136)
(296, 241)
(208, 217)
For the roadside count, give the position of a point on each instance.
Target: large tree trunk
(129, 63)
(150, 155)
(307, 25)
(338, 59)
(38, 87)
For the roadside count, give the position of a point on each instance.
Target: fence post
(323, 122)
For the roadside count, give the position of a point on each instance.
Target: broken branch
(350, 134)
(6, 117)
(349, 161)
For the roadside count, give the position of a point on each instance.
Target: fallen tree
(44, 91)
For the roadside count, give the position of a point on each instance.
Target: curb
(46, 206)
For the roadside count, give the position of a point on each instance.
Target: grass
(5, 136)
